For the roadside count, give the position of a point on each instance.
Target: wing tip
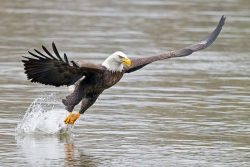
(223, 17)
(56, 52)
(207, 41)
(222, 20)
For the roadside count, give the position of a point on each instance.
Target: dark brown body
(89, 88)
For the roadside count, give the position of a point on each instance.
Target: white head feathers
(115, 61)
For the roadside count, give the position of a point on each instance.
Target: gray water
(191, 111)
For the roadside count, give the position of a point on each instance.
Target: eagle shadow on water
(91, 80)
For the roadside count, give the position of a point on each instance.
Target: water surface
(191, 111)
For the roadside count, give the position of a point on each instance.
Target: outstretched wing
(136, 64)
(53, 70)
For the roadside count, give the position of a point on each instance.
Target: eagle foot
(71, 118)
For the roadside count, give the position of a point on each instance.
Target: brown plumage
(204, 43)
(91, 80)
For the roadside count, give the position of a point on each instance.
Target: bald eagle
(91, 80)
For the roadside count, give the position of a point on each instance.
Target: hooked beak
(126, 61)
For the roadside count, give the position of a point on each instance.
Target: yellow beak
(126, 61)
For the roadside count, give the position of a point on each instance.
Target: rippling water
(191, 111)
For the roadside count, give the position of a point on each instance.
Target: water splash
(43, 117)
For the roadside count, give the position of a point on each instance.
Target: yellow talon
(71, 118)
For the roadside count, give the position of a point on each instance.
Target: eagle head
(115, 61)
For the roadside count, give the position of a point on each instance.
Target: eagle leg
(74, 98)
(71, 118)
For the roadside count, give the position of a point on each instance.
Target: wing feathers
(66, 59)
(56, 51)
(48, 53)
(74, 64)
(136, 64)
(40, 54)
(41, 58)
(53, 70)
